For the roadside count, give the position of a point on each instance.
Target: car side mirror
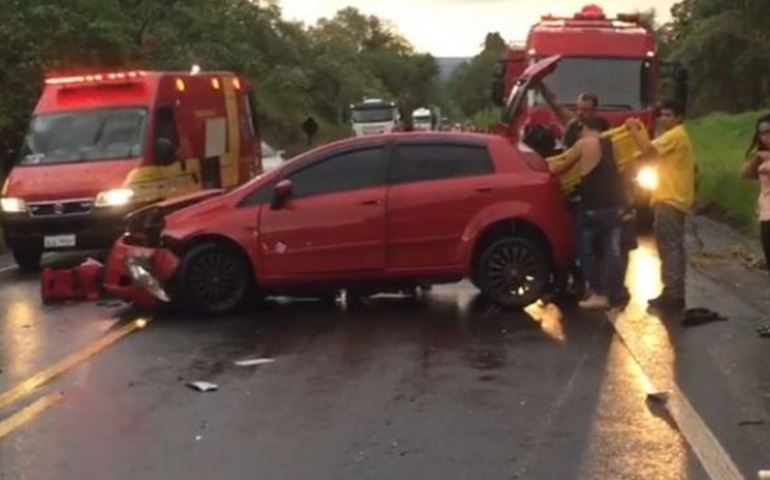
(165, 153)
(281, 194)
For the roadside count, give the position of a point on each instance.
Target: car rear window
(422, 162)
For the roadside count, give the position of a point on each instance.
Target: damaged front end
(143, 261)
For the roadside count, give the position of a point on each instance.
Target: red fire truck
(614, 58)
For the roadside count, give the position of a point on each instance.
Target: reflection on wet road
(444, 386)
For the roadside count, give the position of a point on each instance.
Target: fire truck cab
(102, 145)
(614, 58)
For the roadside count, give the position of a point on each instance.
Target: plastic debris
(203, 386)
(694, 317)
(764, 332)
(253, 362)
(750, 423)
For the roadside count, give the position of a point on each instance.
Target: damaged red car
(371, 214)
(367, 214)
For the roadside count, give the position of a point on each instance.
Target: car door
(334, 221)
(436, 189)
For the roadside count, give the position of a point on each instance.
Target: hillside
(721, 141)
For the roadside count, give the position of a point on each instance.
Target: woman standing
(757, 167)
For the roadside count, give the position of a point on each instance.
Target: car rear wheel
(28, 259)
(512, 272)
(215, 280)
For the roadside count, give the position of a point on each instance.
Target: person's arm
(750, 170)
(573, 157)
(642, 141)
(562, 114)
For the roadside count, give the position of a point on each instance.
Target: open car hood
(531, 77)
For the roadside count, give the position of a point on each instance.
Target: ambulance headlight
(13, 205)
(647, 178)
(117, 197)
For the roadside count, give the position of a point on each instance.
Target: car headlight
(13, 205)
(647, 178)
(118, 197)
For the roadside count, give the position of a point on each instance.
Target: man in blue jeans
(601, 201)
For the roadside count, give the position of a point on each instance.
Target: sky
(456, 28)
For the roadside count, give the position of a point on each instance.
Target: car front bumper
(158, 264)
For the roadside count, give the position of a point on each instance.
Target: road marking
(7, 269)
(29, 413)
(712, 455)
(28, 386)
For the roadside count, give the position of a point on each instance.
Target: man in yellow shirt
(672, 199)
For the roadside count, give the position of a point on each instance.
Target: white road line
(712, 455)
(7, 269)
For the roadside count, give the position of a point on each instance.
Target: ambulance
(102, 145)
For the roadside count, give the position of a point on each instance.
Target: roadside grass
(720, 142)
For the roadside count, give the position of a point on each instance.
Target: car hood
(71, 180)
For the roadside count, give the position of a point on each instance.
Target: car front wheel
(214, 280)
(512, 272)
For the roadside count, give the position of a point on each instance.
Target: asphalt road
(441, 386)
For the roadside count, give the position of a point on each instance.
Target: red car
(371, 213)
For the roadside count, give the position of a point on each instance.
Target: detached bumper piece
(143, 277)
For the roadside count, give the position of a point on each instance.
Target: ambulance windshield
(86, 135)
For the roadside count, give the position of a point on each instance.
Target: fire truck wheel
(28, 259)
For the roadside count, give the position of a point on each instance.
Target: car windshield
(372, 115)
(423, 119)
(85, 136)
(622, 84)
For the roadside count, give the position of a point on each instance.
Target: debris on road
(253, 362)
(83, 282)
(744, 254)
(764, 331)
(203, 386)
(694, 317)
(750, 423)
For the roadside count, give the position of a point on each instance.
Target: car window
(342, 172)
(417, 163)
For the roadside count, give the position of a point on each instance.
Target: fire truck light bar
(130, 75)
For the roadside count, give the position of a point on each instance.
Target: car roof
(409, 137)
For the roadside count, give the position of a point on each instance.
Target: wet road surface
(442, 386)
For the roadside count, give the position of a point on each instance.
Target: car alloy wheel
(513, 272)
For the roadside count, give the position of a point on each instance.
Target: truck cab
(104, 144)
(614, 58)
(374, 116)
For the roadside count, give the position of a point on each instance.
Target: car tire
(513, 272)
(28, 259)
(214, 280)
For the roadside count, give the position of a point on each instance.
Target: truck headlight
(117, 197)
(13, 205)
(647, 178)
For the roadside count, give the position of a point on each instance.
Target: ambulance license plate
(59, 241)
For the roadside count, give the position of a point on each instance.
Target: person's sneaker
(667, 302)
(595, 302)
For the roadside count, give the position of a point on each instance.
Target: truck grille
(61, 208)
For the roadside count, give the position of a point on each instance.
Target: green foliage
(297, 70)
(720, 142)
(471, 84)
(724, 44)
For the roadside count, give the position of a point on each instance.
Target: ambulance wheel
(28, 259)
(215, 280)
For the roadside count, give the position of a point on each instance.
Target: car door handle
(485, 189)
(371, 203)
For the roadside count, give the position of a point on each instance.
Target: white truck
(374, 116)
(423, 120)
